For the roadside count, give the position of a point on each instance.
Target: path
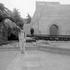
(35, 59)
(38, 60)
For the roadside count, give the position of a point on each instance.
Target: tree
(2, 6)
(9, 19)
(28, 18)
(4, 12)
(13, 16)
(17, 18)
(1, 11)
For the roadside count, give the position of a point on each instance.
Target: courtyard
(35, 58)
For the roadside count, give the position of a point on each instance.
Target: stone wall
(48, 13)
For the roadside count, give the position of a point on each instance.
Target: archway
(54, 29)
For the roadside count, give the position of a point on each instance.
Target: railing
(51, 37)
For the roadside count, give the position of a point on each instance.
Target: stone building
(51, 18)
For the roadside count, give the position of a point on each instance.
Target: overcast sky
(27, 6)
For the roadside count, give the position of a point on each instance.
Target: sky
(27, 6)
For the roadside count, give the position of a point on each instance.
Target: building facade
(51, 18)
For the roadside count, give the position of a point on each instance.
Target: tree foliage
(4, 12)
(14, 16)
(17, 18)
(28, 18)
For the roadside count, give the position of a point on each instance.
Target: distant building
(51, 18)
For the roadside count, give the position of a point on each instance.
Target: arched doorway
(54, 29)
(32, 31)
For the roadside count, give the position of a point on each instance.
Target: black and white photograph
(34, 34)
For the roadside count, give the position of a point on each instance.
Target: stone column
(22, 41)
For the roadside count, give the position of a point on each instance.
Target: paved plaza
(34, 59)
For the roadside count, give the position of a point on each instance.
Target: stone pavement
(35, 58)
(38, 60)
